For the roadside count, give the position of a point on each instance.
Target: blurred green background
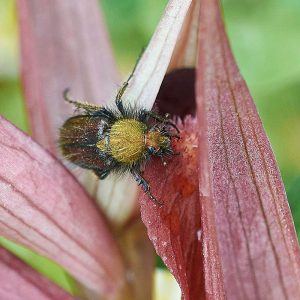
(265, 37)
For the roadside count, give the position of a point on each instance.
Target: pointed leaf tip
(247, 244)
(258, 248)
(151, 69)
(43, 207)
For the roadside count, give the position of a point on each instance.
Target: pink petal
(44, 208)
(238, 241)
(257, 247)
(185, 52)
(63, 45)
(19, 281)
(175, 228)
(151, 69)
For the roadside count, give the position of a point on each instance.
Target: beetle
(117, 140)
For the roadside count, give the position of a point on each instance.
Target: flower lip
(177, 85)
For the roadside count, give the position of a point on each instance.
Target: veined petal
(154, 62)
(19, 281)
(63, 45)
(234, 236)
(243, 203)
(175, 228)
(43, 207)
(185, 51)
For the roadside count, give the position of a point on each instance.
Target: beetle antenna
(89, 108)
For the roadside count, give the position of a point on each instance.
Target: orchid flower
(225, 230)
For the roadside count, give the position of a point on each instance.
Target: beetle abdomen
(78, 138)
(127, 141)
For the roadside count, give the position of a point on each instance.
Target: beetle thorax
(126, 140)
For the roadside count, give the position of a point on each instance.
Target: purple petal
(63, 45)
(43, 207)
(257, 250)
(242, 222)
(175, 228)
(151, 69)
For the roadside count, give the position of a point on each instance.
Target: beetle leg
(105, 114)
(172, 135)
(164, 120)
(121, 92)
(102, 173)
(89, 108)
(119, 96)
(125, 85)
(145, 185)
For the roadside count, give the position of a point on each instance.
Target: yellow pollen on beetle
(127, 140)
